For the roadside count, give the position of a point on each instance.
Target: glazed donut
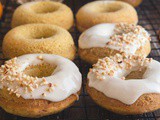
(47, 12)
(108, 39)
(38, 38)
(24, 93)
(139, 93)
(105, 12)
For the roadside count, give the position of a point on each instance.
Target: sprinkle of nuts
(108, 66)
(128, 35)
(10, 74)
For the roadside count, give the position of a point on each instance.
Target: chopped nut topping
(10, 74)
(40, 57)
(123, 78)
(108, 66)
(128, 35)
(43, 94)
(18, 95)
(50, 84)
(54, 85)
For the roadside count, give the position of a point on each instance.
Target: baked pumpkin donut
(38, 38)
(47, 12)
(108, 39)
(139, 93)
(105, 12)
(26, 90)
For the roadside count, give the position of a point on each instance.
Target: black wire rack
(85, 108)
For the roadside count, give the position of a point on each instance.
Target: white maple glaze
(66, 77)
(99, 35)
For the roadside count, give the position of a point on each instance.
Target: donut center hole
(109, 8)
(43, 8)
(41, 70)
(136, 74)
(43, 36)
(41, 33)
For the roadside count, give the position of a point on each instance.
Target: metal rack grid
(85, 108)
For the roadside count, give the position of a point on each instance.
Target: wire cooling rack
(85, 108)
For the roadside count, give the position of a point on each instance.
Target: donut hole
(138, 74)
(41, 70)
(44, 7)
(106, 8)
(39, 32)
(43, 35)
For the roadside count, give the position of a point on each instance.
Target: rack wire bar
(85, 108)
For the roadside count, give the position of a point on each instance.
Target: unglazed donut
(108, 39)
(47, 12)
(139, 93)
(38, 38)
(105, 12)
(24, 93)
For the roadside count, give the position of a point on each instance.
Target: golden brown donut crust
(47, 12)
(38, 38)
(32, 108)
(146, 103)
(134, 3)
(91, 55)
(117, 12)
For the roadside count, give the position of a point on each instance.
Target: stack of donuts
(36, 81)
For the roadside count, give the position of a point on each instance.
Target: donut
(134, 3)
(38, 38)
(105, 12)
(47, 12)
(26, 90)
(125, 84)
(107, 39)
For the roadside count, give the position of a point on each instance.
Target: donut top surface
(108, 76)
(122, 37)
(63, 82)
(46, 12)
(45, 7)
